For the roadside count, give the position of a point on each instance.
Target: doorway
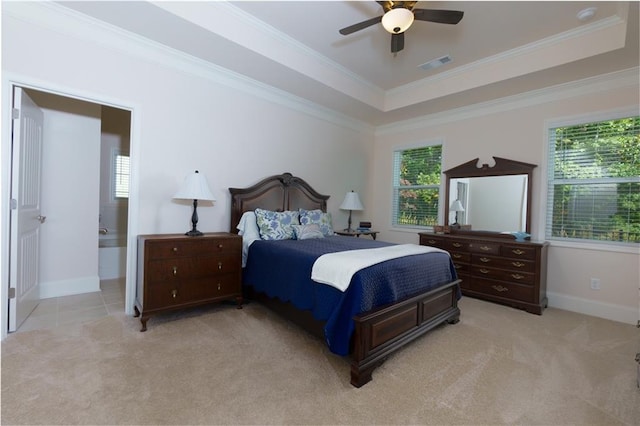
(72, 184)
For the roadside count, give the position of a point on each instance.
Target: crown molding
(587, 86)
(246, 30)
(68, 22)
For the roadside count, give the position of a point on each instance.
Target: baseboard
(69, 287)
(608, 311)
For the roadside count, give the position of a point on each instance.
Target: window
(594, 181)
(416, 186)
(120, 176)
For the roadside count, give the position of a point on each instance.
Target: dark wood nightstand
(356, 233)
(177, 271)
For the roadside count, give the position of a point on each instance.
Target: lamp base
(193, 233)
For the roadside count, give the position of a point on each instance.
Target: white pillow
(248, 229)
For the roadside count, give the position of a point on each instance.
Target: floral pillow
(276, 225)
(319, 217)
(305, 232)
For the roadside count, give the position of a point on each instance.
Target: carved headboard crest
(277, 193)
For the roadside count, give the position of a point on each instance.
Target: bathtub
(112, 255)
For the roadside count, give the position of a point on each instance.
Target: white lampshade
(456, 206)
(397, 20)
(351, 202)
(195, 187)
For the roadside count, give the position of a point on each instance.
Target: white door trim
(9, 80)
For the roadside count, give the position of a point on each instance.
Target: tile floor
(67, 310)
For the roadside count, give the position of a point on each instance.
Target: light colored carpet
(220, 365)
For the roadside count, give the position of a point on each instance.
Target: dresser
(497, 269)
(177, 271)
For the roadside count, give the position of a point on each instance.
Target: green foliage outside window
(594, 185)
(417, 186)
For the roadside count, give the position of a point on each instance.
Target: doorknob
(41, 218)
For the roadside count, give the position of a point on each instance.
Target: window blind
(121, 176)
(416, 186)
(594, 181)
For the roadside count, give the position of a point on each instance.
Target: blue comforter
(282, 269)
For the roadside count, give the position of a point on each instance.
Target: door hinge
(14, 204)
(15, 113)
(12, 292)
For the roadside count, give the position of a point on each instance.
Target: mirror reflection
(490, 203)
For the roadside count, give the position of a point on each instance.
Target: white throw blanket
(336, 269)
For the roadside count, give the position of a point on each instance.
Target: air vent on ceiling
(435, 63)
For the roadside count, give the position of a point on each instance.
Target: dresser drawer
(460, 257)
(485, 247)
(503, 263)
(171, 249)
(428, 240)
(188, 268)
(523, 293)
(168, 294)
(457, 246)
(519, 252)
(501, 274)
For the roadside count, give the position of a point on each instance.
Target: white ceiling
(498, 48)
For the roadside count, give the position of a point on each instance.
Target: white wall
(471, 132)
(185, 116)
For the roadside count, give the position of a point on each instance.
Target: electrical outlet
(595, 283)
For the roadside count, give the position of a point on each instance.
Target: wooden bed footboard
(381, 332)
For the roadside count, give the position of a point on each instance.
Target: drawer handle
(220, 266)
(485, 248)
(517, 276)
(219, 286)
(457, 256)
(431, 241)
(175, 271)
(174, 293)
(499, 288)
(484, 271)
(518, 264)
(220, 245)
(456, 244)
(518, 251)
(485, 260)
(175, 249)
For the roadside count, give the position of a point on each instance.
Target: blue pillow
(276, 225)
(322, 219)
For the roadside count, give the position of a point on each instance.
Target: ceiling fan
(398, 17)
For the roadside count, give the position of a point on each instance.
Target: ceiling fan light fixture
(397, 20)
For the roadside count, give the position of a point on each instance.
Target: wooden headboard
(276, 193)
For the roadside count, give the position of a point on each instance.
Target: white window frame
(394, 208)
(115, 153)
(547, 215)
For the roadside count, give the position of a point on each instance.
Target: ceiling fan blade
(439, 16)
(397, 42)
(360, 26)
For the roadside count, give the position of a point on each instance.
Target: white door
(26, 216)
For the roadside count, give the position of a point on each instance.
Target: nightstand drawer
(171, 249)
(168, 294)
(188, 268)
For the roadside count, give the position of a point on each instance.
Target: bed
(368, 330)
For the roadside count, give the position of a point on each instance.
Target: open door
(26, 217)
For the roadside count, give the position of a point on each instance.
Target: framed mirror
(493, 199)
